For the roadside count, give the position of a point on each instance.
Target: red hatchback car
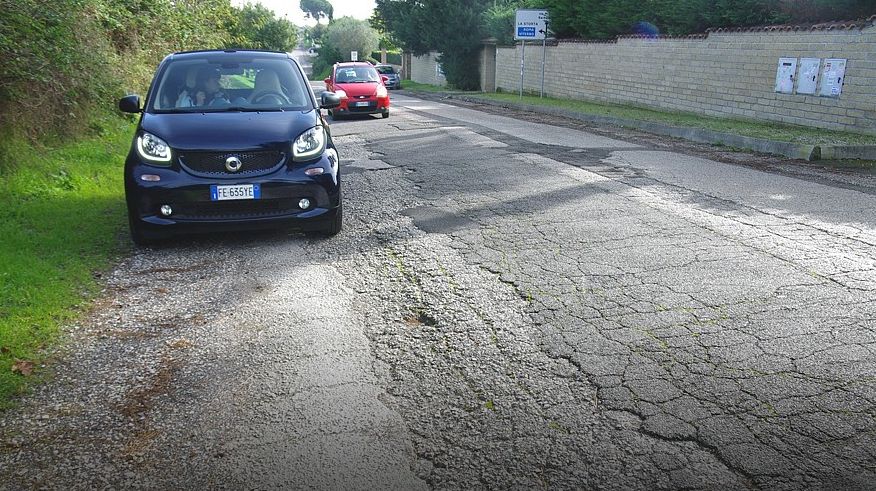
(361, 89)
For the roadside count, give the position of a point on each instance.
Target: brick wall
(724, 74)
(424, 70)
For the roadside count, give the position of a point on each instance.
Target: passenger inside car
(185, 93)
(208, 91)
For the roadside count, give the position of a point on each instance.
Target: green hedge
(66, 61)
(392, 57)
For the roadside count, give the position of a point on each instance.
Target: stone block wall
(726, 74)
(424, 70)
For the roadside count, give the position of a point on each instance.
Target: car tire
(335, 116)
(385, 115)
(137, 235)
(335, 225)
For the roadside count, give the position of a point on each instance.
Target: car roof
(219, 53)
(353, 63)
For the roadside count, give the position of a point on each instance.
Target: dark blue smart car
(229, 141)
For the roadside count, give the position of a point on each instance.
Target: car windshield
(358, 74)
(386, 70)
(225, 83)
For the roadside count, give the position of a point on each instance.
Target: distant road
(304, 58)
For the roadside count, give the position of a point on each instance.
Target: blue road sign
(526, 32)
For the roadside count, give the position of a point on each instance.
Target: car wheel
(385, 115)
(334, 226)
(137, 235)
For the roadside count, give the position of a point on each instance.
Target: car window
(386, 70)
(215, 84)
(358, 74)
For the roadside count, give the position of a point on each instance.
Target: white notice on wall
(785, 75)
(354, 56)
(807, 82)
(832, 76)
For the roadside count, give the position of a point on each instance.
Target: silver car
(393, 79)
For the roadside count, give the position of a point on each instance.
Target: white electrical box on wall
(832, 76)
(785, 75)
(807, 81)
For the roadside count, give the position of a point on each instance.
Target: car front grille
(233, 210)
(212, 164)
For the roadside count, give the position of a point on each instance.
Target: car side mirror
(327, 81)
(329, 100)
(384, 79)
(130, 104)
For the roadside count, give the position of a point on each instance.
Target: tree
(317, 9)
(826, 10)
(499, 20)
(259, 28)
(348, 34)
(453, 27)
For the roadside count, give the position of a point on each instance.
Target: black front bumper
(193, 211)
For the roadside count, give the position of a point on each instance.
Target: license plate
(362, 104)
(235, 191)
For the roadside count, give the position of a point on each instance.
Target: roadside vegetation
(755, 129)
(62, 218)
(63, 142)
(338, 39)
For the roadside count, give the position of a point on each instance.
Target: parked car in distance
(231, 141)
(360, 88)
(393, 80)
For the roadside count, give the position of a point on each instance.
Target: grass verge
(61, 213)
(755, 129)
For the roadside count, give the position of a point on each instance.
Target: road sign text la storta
(530, 24)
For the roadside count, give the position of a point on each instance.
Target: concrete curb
(791, 150)
(853, 152)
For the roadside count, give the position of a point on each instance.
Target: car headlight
(309, 144)
(381, 91)
(340, 93)
(153, 149)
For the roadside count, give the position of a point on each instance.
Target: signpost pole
(531, 24)
(522, 67)
(543, 55)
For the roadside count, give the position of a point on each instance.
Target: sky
(360, 9)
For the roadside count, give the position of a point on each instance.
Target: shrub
(66, 62)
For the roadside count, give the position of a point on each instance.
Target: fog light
(166, 210)
(316, 171)
(150, 178)
(304, 203)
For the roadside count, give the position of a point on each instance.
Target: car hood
(355, 90)
(231, 130)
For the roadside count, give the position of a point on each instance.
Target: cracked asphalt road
(512, 303)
